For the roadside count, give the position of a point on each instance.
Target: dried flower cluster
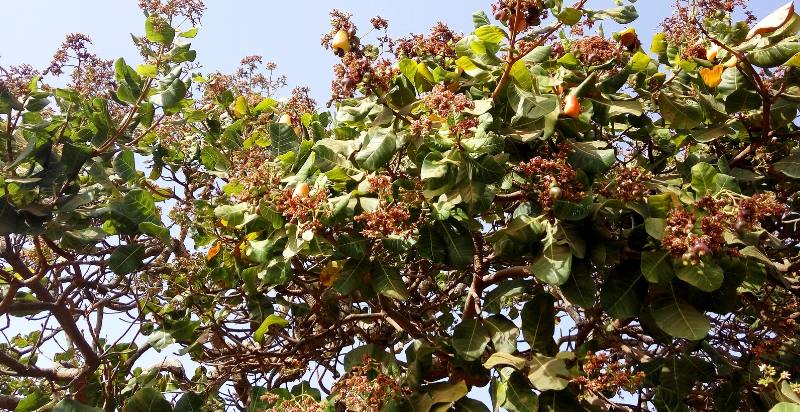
(684, 238)
(440, 42)
(444, 102)
(299, 103)
(681, 28)
(90, 75)
(520, 15)
(628, 184)
(596, 50)
(368, 389)
(253, 170)
(301, 403)
(389, 218)
(552, 180)
(17, 78)
(304, 211)
(692, 238)
(191, 10)
(604, 374)
(754, 209)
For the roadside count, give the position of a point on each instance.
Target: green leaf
(623, 290)
(125, 166)
(775, 55)
(470, 338)
(679, 319)
(503, 332)
(284, 140)
(126, 259)
(158, 30)
(569, 16)
(189, 402)
(681, 114)
(505, 359)
(171, 91)
(270, 320)
(548, 374)
(657, 266)
(790, 166)
(157, 231)
(703, 179)
(554, 265)
(538, 322)
(138, 206)
(706, 276)
(458, 243)
(785, 407)
(69, 405)
(352, 275)
(388, 282)
(591, 157)
(580, 289)
(147, 400)
(655, 227)
(490, 34)
(32, 402)
(378, 150)
(160, 339)
(514, 394)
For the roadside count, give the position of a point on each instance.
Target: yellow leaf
(330, 273)
(712, 77)
(213, 251)
(774, 21)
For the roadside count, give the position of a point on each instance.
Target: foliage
(449, 226)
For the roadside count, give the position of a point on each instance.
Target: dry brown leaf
(213, 251)
(774, 21)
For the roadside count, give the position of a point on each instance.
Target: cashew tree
(537, 215)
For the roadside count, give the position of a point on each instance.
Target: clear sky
(286, 32)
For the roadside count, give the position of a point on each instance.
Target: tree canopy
(563, 218)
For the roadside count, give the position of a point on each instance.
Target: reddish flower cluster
(299, 103)
(192, 10)
(259, 177)
(628, 184)
(356, 68)
(421, 126)
(758, 207)
(680, 29)
(302, 403)
(379, 23)
(389, 218)
(682, 238)
(604, 374)
(552, 179)
(439, 43)
(595, 50)
(17, 78)
(464, 127)
(444, 102)
(367, 389)
(304, 211)
(520, 15)
(697, 50)
(91, 75)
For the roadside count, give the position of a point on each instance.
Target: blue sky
(286, 32)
